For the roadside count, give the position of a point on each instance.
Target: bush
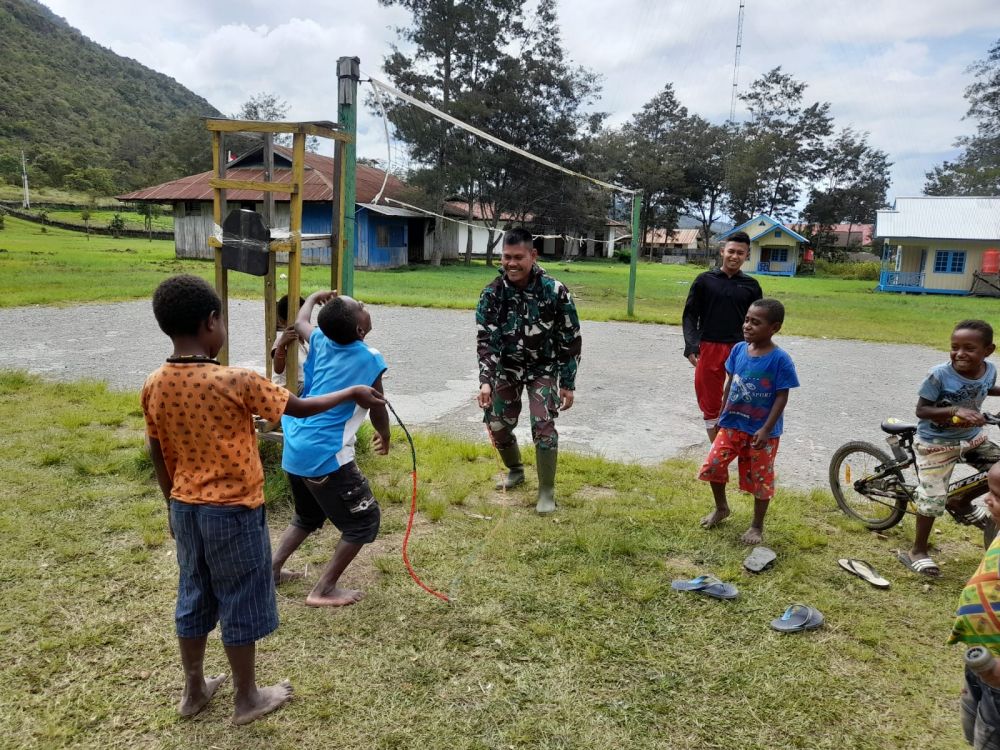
(624, 256)
(867, 271)
(116, 225)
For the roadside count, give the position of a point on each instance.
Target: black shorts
(343, 497)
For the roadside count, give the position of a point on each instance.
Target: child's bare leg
(921, 539)
(198, 690)
(291, 539)
(251, 701)
(712, 432)
(721, 511)
(755, 534)
(326, 592)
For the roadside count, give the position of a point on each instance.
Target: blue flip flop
(709, 586)
(798, 617)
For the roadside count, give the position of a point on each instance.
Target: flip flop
(971, 515)
(709, 586)
(798, 617)
(760, 559)
(864, 571)
(924, 566)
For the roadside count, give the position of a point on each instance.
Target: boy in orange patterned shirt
(200, 433)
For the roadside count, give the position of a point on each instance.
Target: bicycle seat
(895, 427)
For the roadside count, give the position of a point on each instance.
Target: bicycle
(871, 487)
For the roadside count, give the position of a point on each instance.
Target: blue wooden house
(775, 248)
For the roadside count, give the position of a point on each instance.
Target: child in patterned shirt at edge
(948, 430)
(977, 624)
(759, 375)
(201, 439)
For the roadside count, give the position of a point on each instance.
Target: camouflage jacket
(528, 332)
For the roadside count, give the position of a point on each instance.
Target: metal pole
(26, 203)
(348, 74)
(633, 262)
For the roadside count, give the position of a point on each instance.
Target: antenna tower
(736, 62)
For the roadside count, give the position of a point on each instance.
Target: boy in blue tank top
(950, 429)
(759, 375)
(318, 455)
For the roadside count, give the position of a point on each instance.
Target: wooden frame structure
(292, 245)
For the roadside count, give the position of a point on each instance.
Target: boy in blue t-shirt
(759, 374)
(318, 455)
(949, 429)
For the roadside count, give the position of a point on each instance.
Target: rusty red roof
(318, 182)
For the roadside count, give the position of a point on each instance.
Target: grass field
(564, 632)
(103, 217)
(55, 195)
(62, 267)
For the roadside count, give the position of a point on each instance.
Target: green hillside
(87, 118)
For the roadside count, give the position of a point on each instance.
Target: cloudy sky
(895, 68)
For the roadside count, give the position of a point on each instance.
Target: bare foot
(266, 700)
(193, 703)
(337, 598)
(752, 536)
(284, 576)
(714, 518)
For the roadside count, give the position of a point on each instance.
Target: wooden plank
(270, 286)
(267, 187)
(295, 256)
(321, 129)
(218, 207)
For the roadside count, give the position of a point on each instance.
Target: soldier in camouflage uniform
(528, 338)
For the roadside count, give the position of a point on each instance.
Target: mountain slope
(76, 107)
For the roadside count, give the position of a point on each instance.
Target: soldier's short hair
(518, 236)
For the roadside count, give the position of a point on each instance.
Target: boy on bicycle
(950, 429)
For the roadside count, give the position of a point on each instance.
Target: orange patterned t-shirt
(202, 415)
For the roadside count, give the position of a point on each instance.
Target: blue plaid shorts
(224, 556)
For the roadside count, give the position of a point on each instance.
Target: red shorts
(710, 379)
(756, 465)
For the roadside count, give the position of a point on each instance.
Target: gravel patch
(635, 399)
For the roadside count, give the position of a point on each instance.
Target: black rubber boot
(511, 456)
(545, 461)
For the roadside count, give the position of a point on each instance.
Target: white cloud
(892, 67)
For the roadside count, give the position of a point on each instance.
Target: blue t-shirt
(318, 445)
(945, 387)
(756, 382)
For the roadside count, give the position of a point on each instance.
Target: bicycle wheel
(878, 503)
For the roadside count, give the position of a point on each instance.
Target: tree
(266, 107)
(976, 171)
(453, 49)
(779, 150)
(856, 182)
(705, 148)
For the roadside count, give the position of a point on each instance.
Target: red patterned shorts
(756, 465)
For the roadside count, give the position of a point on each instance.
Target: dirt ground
(635, 394)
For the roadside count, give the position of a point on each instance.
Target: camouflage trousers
(543, 406)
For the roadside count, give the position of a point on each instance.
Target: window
(949, 261)
(192, 208)
(777, 233)
(388, 235)
(777, 254)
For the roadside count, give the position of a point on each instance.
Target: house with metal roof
(937, 245)
(387, 235)
(775, 249)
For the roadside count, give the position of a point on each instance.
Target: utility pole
(26, 201)
(636, 246)
(736, 63)
(348, 74)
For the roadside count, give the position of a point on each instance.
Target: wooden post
(295, 252)
(337, 225)
(348, 74)
(270, 292)
(633, 262)
(218, 211)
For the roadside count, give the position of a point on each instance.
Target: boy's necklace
(185, 359)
